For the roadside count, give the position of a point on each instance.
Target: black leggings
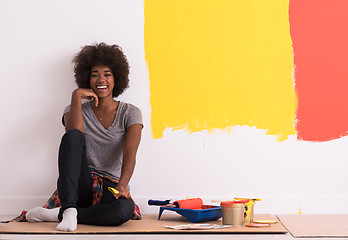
(75, 186)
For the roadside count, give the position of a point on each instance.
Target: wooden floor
(286, 236)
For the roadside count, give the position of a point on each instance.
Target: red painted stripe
(319, 30)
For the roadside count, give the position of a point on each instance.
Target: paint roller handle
(158, 202)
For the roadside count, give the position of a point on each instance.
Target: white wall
(38, 41)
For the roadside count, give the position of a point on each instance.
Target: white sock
(69, 221)
(40, 214)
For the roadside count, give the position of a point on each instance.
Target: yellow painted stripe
(215, 64)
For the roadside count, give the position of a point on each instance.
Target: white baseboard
(272, 205)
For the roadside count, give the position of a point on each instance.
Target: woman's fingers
(89, 94)
(123, 192)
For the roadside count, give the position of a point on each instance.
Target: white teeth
(101, 87)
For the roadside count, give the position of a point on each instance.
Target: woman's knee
(72, 147)
(122, 212)
(74, 134)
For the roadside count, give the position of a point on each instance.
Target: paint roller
(191, 203)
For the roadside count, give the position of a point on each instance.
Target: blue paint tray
(207, 213)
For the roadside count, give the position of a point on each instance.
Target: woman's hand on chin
(85, 93)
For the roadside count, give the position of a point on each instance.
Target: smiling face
(102, 81)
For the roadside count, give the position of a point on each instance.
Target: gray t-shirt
(104, 147)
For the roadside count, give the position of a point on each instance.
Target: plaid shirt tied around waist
(54, 200)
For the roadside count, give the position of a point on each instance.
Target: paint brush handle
(158, 202)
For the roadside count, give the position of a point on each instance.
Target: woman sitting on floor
(98, 150)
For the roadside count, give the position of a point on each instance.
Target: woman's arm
(73, 119)
(133, 137)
